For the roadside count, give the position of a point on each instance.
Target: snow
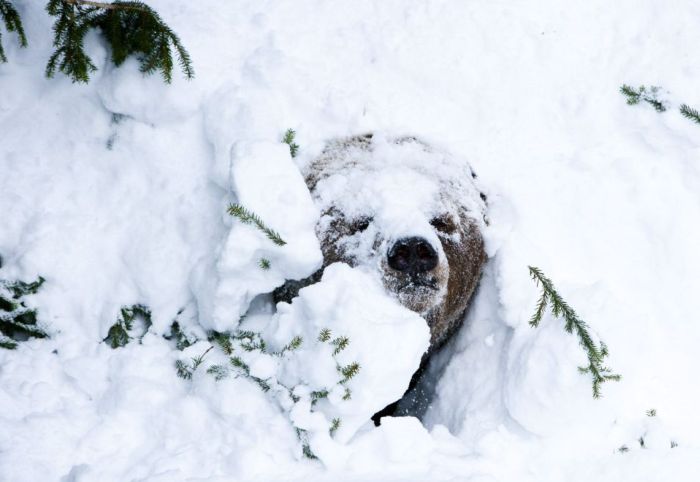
(285, 203)
(116, 193)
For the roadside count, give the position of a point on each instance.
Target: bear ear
(444, 224)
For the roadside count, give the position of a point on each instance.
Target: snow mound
(266, 182)
(385, 339)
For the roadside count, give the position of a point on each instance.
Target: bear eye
(444, 224)
(360, 224)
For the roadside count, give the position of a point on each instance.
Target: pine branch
(130, 28)
(631, 94)
(303, 437)
(264, 264)
(643, 94)
(318, 395)
(690, 113)
(186, 370)
(292, 345)
(71, 26)
(182, 341)
(340, 344)
(349, 371)
(248, 217)
(7, 343)
(335, 425)
(288, 139)
(17, 321)
(218, 372)
(573, 324)
(244, 341)
(13, 23)
(118, 334)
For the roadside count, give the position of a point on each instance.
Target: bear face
(408, 211)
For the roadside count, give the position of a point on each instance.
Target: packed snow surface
(116, 193)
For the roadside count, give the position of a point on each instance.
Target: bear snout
(412, 256)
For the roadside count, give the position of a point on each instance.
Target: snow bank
(116, 193)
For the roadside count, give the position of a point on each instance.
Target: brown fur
(457, 228)
(347, 238)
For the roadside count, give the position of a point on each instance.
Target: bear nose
(412, 255)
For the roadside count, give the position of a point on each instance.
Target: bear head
(410, 212)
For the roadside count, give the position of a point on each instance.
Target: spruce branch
(17, 321)
(249, 346)
(7, 343)
(340, 344)
(219, 372)
(119, 334)
(130, 28)
(248, 217)
(264, 264)
(186, 370)
(293, 345)
(650, 96)
(303, 437)
(318, 395)
(631, 94)
(349, 371)
(573, 324)
(182, 341)
(690, 113)
(324, 335)
(13, 23)
(335, 425)
(288, 139)
(70, 28)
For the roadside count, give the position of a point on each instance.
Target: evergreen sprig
(340, 344)
(185, 370)
(249, 217)
(243, 346)
(349, 371)
(129, 27)
(648, 95)
(119, 334)
(572, 323)
(292, 345)
(17, 321)
(13, 23)
(288, 138)
(335, 425)
(690, 113)
(181, 340)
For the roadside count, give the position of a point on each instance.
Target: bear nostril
(413, 255)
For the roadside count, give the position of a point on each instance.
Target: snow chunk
(266, 182)
(386, 339)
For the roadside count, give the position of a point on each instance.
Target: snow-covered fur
(375, 192)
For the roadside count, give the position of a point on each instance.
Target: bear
(409, 211)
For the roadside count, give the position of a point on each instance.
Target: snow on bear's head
(408, 211)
